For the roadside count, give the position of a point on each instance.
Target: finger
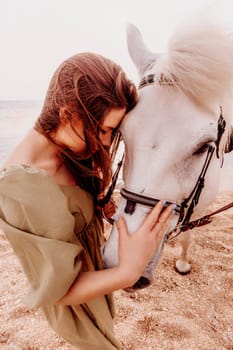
(121, 225)
(152, 217)
(122, 231)
(164, 215)
(161, 227)
(166, 212)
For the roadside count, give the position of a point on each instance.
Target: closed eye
(104, 132)
(109, 131)
(112, 130)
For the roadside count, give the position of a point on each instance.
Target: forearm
(93, 284)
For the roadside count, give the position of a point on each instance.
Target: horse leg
(183, 265)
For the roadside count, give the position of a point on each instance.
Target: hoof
(183, 267)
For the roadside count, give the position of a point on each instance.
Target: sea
(17, 117)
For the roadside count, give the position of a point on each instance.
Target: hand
(137, 249)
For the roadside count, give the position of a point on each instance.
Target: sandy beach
(192, 312)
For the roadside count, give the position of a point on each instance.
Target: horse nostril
(143, 282)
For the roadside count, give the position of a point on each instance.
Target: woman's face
(109, 124)
(72, 136)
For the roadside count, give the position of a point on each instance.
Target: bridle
(186, 208)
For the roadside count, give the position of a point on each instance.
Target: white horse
(174, 127)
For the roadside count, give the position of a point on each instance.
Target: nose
(106, 139)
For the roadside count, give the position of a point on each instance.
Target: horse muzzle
(110, 250)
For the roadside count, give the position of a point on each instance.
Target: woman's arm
(93, 284)
(135, 252)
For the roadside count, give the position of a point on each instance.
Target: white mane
(199, 61)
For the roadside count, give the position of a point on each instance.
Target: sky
(37, 35)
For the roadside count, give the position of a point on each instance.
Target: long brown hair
(90, 85)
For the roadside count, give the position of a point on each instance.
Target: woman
(50, 190)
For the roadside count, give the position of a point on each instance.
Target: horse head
(177, 131)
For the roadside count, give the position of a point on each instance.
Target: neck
(44, 153)
(37, 151)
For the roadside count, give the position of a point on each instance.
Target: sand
(192, 312)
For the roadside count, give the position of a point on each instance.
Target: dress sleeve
(35, 218)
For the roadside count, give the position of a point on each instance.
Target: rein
(186, 208)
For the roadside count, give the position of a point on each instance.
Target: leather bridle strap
(138, 198)
(206, 219)
(152, 79)
(111, 189)
(134, 198)
(196, 192)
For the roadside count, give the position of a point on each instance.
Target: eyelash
(114, 131)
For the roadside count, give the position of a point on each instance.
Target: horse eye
(201, 149)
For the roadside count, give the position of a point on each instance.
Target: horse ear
(139, 53)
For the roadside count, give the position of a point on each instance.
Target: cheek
(106, 139)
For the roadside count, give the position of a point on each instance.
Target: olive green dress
(54, 233)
